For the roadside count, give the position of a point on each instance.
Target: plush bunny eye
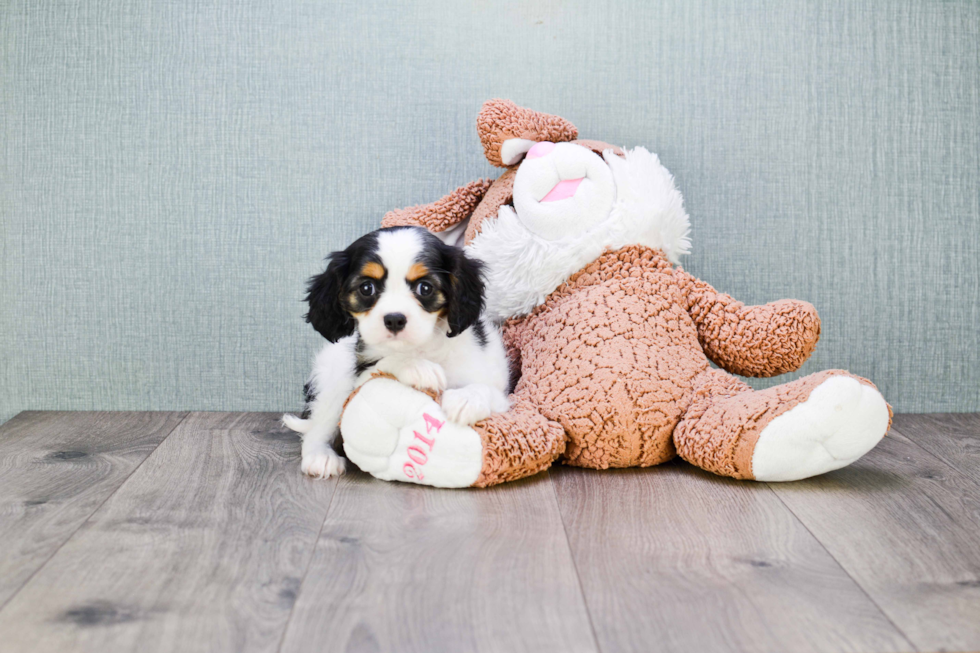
(423, 288)
(366, 289)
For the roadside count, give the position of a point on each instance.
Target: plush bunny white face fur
(533, 247)
(561, 189)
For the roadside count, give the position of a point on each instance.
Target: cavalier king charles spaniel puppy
(402, 302)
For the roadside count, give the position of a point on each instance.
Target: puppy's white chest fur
(475, 356)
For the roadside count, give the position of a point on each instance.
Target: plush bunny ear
(508, 131)
(446, 217)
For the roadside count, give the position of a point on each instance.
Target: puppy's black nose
(395, 322)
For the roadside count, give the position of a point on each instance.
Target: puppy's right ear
(324, 291)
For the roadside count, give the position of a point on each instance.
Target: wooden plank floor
(196, 532)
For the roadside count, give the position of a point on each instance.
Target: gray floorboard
(906, 527)
(954, 438)
(676, 559)
(202, 549)
(173, 532)
(406, 568)
(56, 469)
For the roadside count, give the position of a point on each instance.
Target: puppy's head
(399, 287)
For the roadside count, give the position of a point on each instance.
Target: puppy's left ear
(466, 292)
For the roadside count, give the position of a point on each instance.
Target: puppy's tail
(294, 423)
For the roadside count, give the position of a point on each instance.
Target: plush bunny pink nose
(539, 149)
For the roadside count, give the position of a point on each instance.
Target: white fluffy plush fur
(523, 269)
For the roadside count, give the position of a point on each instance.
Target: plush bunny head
(559, 204)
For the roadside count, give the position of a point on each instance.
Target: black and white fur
(400, 301)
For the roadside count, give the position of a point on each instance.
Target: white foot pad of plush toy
(396, 433)
(842, 420)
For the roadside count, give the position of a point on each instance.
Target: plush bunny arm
(442, 214)
(758, 341)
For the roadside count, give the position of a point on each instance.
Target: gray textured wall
(172, 172)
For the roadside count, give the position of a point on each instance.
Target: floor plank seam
(309, 562)
(884, 614)
(94, 510)
(571, 556)
(938, 456)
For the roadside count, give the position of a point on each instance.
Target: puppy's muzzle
(395, 322)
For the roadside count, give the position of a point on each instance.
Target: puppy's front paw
(463, 406)
(473, 403)
(423, 375)
(323, 463)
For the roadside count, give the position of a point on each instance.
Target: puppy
(399, 301)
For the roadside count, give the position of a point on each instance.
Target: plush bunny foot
(840, 421)
(396, 433)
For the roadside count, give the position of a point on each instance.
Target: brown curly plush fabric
(608, 357)
(506, 457)
(723, 423)
(760, 341)
(616, 357)
(500, 120)
(443, 213)
(483, 198)
(612, 370)
(500, 193)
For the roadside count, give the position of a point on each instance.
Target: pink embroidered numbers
(419, 455)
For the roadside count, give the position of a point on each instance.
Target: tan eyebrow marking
(417, 271)
(373, 270)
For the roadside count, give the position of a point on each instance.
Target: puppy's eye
(366, 289)
(424, 289)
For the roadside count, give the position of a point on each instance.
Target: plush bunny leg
(397, 433)
(800, 429)
(518, 443)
